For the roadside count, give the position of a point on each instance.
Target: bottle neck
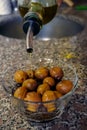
(31, 18)
(34, 16)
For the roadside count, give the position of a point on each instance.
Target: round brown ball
(30, 73)
(56, 73)
(58, 94)
(64, 86)
(20, 76)
(42, 88)
(20, 92)
(30, 84)
(35, 98)
(50, 81)
(49, 96)
(41, 73)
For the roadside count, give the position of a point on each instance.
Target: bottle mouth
(29, 50)
(35, 26)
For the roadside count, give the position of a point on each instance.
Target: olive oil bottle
(35, 14)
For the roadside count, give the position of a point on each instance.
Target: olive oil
(33, 7)
(23, 10)
(47, 13)
(30, 63)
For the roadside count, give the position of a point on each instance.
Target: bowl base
(43, 125)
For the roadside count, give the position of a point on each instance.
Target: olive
(58, 94)
(34, 98)
(56, 73)
(30, 84)
(30, 73)
(41, 73)
(49, 95)
(64, 86)
(20, 92)
(50, 81)
(42, 88)
(20, 76)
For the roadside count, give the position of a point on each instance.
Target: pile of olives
(41, 85)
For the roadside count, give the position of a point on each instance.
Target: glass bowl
(41, 114)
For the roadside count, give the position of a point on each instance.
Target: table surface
(73, 50)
